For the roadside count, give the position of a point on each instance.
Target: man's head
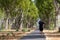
(39, 19)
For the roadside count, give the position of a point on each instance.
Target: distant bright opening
(32, 0)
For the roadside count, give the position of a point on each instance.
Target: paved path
(34, 36)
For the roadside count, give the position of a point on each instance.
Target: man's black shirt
(41, 25)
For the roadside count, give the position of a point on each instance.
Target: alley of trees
(19, 14)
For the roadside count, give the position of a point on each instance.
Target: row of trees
(46, 12)
(24, 13)
(49, 12)
(18, 13)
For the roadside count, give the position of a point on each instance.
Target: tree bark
(6, 27)
(57, 13)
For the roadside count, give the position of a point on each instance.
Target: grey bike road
(36, 35)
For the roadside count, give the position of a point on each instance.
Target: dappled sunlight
(29, 19)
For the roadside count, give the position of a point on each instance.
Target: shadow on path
(36, 35)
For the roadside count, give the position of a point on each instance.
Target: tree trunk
(6, 26)
(57, 13)
(21, 25)
(7, 18)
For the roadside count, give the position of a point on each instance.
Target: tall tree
(9, 7)
(57, 11)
